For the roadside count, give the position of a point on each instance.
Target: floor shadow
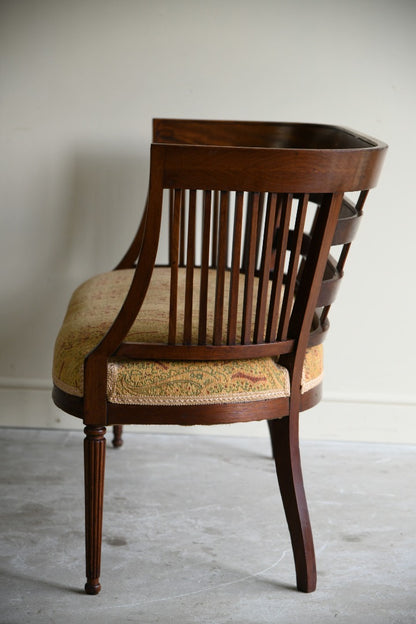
(26, 579)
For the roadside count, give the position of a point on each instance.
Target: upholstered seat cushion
(93, 308)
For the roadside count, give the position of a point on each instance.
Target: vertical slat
(235, 269)
(343, 257)
(182, 230)
(214, 246)
(248, 233)
(259, 241)
(206, 235)
(246, 246)
(315, 262)
(281, 247)
(171, 203)
(266, 255)
(222, 261)
(345, 250)
(361, 201)
(251, 267)
(324, 314)
(340, 268)
(293, 267)
(174, 253)
(190, 264)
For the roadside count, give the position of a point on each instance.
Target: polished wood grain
(286, 454)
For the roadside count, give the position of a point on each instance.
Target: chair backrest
(252, 211)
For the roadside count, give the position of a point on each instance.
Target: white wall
(80, 82)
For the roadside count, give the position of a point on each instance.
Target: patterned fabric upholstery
(93, 308)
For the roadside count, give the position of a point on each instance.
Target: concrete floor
(194, 532)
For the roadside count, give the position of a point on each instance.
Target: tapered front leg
(289, 472)
(117, 436)
(94, 462)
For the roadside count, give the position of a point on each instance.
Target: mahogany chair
(230, 328)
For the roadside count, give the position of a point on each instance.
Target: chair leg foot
(117, 436)
(92, 588)
(289, 473)
(94, 462)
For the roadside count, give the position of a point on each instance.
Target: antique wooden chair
(230, 328)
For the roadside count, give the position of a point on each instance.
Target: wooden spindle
(182, 234)
(267, 249)
(250, 269)
(235, 269)
(190, 264)
(293, 267)
(315, 262)
(361, 201)
(278, 273)
(203, 298)
(174, 251)
(260, 229)
(214, 245)
(222, 261)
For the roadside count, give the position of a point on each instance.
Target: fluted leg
(94, 462)
(289, 473)
(117, 436)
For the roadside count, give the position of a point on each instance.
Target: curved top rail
(271, 169)
(283, 135)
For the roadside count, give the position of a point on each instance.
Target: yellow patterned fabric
(91, 311)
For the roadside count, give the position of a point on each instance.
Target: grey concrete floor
(194, 532)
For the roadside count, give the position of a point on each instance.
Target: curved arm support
(128, 261)
(138, 288)
(304, 310)
(95, 364)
